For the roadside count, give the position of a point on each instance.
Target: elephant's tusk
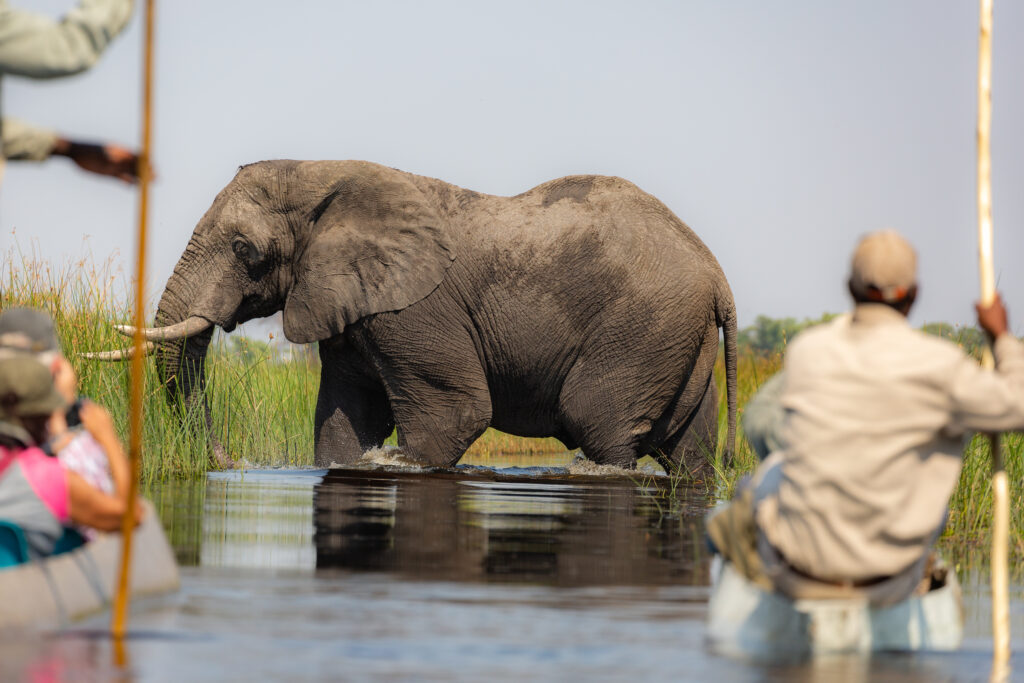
(119, 355)
(186, 328)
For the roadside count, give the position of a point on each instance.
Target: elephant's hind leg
(352, 411)
(692, 448)
(604, 433)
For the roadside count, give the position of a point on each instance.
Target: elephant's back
(609, 209)
(601, 235)
(629, 223)
(582, 258)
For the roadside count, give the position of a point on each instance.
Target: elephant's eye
(246, 251)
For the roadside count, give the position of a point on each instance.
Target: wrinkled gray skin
(582, 309)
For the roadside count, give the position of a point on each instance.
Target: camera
(73, 416)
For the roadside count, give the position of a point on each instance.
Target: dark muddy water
(471, 574)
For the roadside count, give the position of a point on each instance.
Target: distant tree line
(769, 336)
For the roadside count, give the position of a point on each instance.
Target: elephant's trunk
(181, 363)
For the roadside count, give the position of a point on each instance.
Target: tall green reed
(262, 407)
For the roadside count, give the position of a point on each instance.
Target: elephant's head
(327, 242)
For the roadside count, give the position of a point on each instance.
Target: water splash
(385, 456)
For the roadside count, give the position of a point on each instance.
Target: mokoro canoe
(748, 622)
(61, 588)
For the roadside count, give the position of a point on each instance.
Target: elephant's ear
(375, 245)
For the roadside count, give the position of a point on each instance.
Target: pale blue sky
(778, 131)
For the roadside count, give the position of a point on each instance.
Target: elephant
(582, 309)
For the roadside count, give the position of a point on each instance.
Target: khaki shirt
(35, 46)
(875, 416)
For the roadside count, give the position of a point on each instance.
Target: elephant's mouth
(181, 351)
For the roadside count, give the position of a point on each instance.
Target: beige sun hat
(884, 267)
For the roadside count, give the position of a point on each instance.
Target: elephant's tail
(725, 312)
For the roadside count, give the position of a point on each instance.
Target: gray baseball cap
(27, 329)
(26, 388)
(884, 267)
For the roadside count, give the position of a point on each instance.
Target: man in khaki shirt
(35, 46)
(867, 424)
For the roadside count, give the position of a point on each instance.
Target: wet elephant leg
(619, 409)
(440, 423)
(692, 448)
(600, 427)
(352, 411)
(435, 383)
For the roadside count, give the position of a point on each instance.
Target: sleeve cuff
(1008, 350)
(23, 142)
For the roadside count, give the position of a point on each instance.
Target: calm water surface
(470, 574)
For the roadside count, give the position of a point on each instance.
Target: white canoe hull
(748, 622)
(59, 589)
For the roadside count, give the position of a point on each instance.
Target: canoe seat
(13, 546)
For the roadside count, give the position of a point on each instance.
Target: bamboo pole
(119, 615)
(1001, 502)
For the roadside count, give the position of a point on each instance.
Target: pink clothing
(34, 495)
(45, 475)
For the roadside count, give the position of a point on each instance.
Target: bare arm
(98, 423)
(91, 507)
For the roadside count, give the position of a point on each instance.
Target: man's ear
(909, 299)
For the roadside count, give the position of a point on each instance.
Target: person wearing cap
(36, 492)
(83, 438)
(861, 436)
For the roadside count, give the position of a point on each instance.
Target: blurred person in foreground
(35, 46)
(861, 435)
(83, 436)
(36, 491)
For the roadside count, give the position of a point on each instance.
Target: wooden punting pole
(118, 617)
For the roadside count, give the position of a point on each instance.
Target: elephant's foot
(220, 455)
(462, 423)
(325, 456)
(342, 440)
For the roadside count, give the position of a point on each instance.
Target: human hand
(96, 419)
(993, 318)
(57, 432)
(111, 160)
(64, 378)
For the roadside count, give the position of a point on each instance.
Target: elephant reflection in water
(354, 523)
(457, 527)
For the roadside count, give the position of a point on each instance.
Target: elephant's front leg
(435, 383)
(352, 412)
